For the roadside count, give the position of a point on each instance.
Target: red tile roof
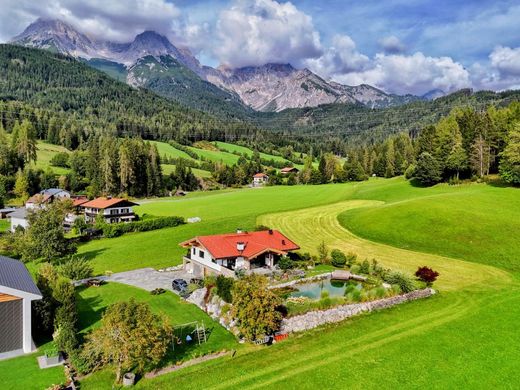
(104, 203)
(223, 246)
(260, 175)
(79, 201)
(288, 169)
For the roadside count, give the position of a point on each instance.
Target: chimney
(283, 242)
(240, 246)
(239, 231)
(271, 231)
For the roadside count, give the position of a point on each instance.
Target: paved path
(147, 278)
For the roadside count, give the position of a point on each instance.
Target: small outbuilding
(259, 179)
(17, 291)
(288, 170)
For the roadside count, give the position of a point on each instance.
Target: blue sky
(397, 45)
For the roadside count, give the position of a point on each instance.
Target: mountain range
(152, 61)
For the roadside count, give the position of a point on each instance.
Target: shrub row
(118, 229)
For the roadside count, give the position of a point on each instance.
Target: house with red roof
(259, 179)
(222, 254)
(113, 210)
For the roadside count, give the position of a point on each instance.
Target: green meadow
(463, 337)
(247, 151)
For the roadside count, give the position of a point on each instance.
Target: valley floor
(464, 337)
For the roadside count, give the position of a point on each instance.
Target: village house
(113, 210)
(224, 253)
(38, 201)
(17, 291)
(259, 179)
(288, 170)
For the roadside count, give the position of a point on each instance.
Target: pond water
(313, 290)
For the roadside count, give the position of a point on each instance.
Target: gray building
(17, 291)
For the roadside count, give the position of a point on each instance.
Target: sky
(400, 46)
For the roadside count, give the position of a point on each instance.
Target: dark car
(180, 285)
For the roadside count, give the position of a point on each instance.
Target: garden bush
(285, 263)
(75, 268)
(427, 275)
(405, 283)
(364, 268)
(118, 229)
(224, 288)
(351, 259)
(338, 258)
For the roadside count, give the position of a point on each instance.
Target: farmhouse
(288, 170)
(113, 210)
(45, 197)
(17, 291)
(35, 202)
(259, 179)
(222, 254)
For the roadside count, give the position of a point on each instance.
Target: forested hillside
(60, 94)
(339, 124)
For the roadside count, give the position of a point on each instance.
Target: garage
(17, 292)
(11, 323)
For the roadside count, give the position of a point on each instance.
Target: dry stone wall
(314, 319)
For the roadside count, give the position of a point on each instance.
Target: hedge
(118, 229)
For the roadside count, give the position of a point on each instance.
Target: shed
(17, 291)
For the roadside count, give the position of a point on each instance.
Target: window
(201, 253)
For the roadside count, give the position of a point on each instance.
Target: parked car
(180, 285)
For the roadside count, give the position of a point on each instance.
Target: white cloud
(341, 57)
(506, 60)
(392, 45)
(112, 20)
(256, 32)
(415, 74)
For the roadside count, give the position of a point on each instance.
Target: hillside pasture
(44, 155)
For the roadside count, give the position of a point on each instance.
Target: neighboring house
(77, 202)
(37, 201)
(260, 179)
(45, 197)
(19, 218)
(222, 254)
(17, 291)
(113, 210)
(287, 170)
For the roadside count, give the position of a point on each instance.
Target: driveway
(148, 278)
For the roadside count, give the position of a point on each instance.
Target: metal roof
(14, 274)
(52, 191)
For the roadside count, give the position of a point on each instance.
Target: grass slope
(248, 152)
(23, 373)
(463, 337)
(221, 212)
(167, 150)
(169, 168)
(215, 156)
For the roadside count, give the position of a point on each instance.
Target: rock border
(313, 319)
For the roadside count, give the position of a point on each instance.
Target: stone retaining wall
(314, 319)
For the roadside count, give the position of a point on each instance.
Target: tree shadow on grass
(89, 310)
(90, 255)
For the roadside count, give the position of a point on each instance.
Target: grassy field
(463, 337)
(93, 301)
(221, 211)
(169, 168)
(216, 155)
(248, 152)
(23, 373)
(44, 155)
(167, 150)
